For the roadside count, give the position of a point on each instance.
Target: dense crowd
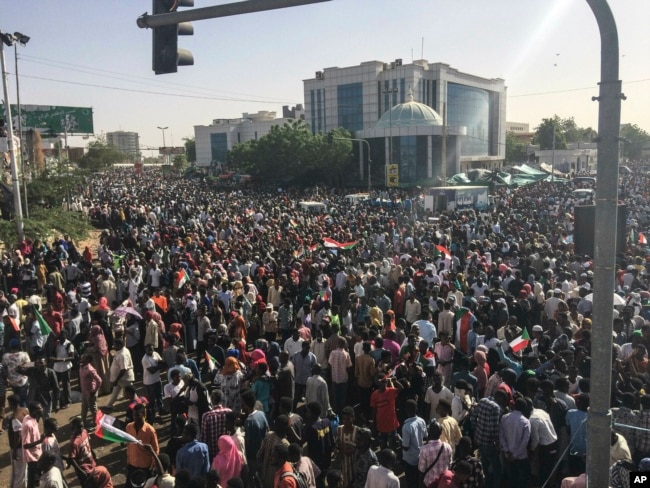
(355, 346)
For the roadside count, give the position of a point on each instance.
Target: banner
(392, 175)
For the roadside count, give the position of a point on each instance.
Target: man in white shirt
(543, 438)
(121, 371)
(294, 343)
(382, 476)
(63, 357)
(152, 363)
(435, 393)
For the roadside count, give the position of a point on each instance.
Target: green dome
(409, 114)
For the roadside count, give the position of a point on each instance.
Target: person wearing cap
(270, 323)
(540, 342)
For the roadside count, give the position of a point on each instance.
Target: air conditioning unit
(398, 62)
(319, 75)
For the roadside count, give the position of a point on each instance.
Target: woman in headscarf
(481, 371)
(228, 462)
(100, 316)
(228, 380)
(99, 350)
(238, 328)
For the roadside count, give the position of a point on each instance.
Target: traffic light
(166, 55)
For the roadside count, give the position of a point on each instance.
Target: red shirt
(385, 413)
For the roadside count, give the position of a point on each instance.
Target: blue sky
(91, 53)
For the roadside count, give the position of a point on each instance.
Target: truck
(452, 198)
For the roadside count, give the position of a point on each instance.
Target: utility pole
(553, 162)
(8, 39)
(21, 39)
(609, 120)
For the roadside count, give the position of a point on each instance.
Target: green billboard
(57, 119)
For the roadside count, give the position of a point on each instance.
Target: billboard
(171, 150)
(57, 119)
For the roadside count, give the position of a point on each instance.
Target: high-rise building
(126, 142)
(399, 108)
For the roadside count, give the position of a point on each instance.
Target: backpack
(301, 479)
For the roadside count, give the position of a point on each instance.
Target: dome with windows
(409, 114)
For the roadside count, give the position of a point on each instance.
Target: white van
(356, 198)
(312, 207)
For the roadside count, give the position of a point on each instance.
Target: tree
(180, 161)
(633, 137)
(515, 149)
(291, 151)
(190, 149)
(544, 134)
(101, 156)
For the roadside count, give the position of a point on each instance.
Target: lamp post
(21, 39)
(163, 129)
(390, 92)
(8, 39)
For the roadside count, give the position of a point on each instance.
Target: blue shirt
(576, 420)
(427, 331)
(194, 457)
(413, 432)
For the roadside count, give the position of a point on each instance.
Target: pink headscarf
(228, 462)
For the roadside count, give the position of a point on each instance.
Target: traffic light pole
(216, 11)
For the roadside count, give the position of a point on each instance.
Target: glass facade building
(470, 107)
(350, 106)
(219, 147)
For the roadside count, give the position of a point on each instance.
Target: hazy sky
(91, 53)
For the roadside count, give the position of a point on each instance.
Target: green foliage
(101, 156)
(515, 149)
(634, 138)
(292, 151)
(566, 131)
(190, 149)
(46, 223)
(180, 161)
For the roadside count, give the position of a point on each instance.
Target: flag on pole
(107, 431)
(642, 239)
(212, 362)
(42, 323)
(332, 244)
(294, 223)
(314, 247)
(520, 342)
(183, 278)
(297, 253)
(464, 319)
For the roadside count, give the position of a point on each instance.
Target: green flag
(42, 323)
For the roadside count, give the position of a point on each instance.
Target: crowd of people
(255, 343)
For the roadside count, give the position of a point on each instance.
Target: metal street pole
(369, 160)
(609, 120)
(163, 129)
(215, 11)
(390, 92)
(553, 163)
(22, 40)
(18, 209)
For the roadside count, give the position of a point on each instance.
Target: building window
(319, 110)
(407, 158)
(219, 147)
(470, 107)
(402, 90)
(350, 106)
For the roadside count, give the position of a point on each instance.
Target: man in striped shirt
(485, 418)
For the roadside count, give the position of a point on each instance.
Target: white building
(357, 97)
(215, 140)
(126, 142)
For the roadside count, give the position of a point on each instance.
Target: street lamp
(21, 39)
(163, 129)
(8, 39)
